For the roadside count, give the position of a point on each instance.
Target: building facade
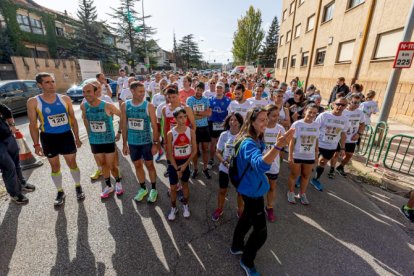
(321, 40)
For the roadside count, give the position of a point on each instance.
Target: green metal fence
(399, 155)
(365, 142)
(376, 143)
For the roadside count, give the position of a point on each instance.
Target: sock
(185, 201)
(118, 179)
(108, 182)
(332, 170)
(319, 171)
(143, 185)
(174, 204)
(57, 180)
(76, 176)
(340, 167)
(153, 185)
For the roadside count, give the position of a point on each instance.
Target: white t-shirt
(306, 136)
(125, 95)
(259, 103)
(331, 127)
(104, 98)
(355, 117)
(208, 94)
(122, 83)
(369, 108)
(158, 99)
(226, 145)
(105, 91)
(288, 95)
(242, 109)
(270, 137)
(158, 112)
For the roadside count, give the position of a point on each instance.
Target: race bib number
(218, 126)
(97, 126)
(182, 151)
(269, 146)
(306, 148)
(331, 134)
(58, 120)
(136, 124)
(330, 139)
(228, 150)
(198, 107)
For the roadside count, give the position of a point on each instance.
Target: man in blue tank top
(137, 120)
(97, 117)
(57, 121)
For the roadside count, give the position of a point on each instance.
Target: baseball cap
(220, 84)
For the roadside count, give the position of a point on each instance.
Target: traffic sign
(404, 56)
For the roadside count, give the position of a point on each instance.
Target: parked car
(76, 94)
(15, 93)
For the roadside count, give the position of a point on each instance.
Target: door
(12, 95)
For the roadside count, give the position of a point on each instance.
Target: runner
(369, 107)
(356, 128)
(201, 109)
(258, 100)
(181, 149)
(122, 83)
(126, 92)
(187, 91)
(239, 104)
(273, 130)
(333, 127)
(137, 120)
(106, 89)
(284, 115)
(303, 151)
(57, 121)
(225, 147)
(211, 92)
(154, 87)
(97, 117)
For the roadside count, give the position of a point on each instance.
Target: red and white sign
(404, 56)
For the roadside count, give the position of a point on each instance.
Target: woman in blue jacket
(254, 185)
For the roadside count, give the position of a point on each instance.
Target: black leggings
(253, 215)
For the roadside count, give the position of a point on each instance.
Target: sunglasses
(212, 83)
(340, 104)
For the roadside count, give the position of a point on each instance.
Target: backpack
(235, 179)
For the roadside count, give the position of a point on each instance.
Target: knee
(173, 188)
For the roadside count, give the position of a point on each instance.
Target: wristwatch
(12, 124)
(155, 142)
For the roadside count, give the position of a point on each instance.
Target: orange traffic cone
(27, 160)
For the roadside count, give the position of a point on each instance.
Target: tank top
(282, 114)
(170, 119)
(139, 123)
(53, 117)
(181, 144)
(101, 128)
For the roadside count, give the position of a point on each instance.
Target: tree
(269, 50)
(248, 37)
(6, 49)
(189, 51)
(177, 57)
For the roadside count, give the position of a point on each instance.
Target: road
(349, 229)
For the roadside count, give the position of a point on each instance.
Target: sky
(212, 22)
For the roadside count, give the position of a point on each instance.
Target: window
(281, 40)
(60, 31)
(37, 52)
(23, 21)
(345, 51)
(353, 3)
(293, 61)
(292, 7)
(36, 26)
(387, 44)
(320, 56)
(2, 22)
(12, 88)
(311, 23)
(284, 62)
(304, 60)
(284, 15)
(30, 25)
(328, 12)
(288, 34)
(278, 63)
(297, 30)
(32, 86)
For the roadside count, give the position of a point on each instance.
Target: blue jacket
(254, 182)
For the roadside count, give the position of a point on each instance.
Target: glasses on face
(355, 103)
(340, 104)
(212, 83)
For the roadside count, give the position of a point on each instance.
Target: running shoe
(60, 198)
(107, 191)
(318, 185)
(235, 251)
(304, 199)
(186, 211)
(408, 212)
(239, 213)
(153, 196)
(27, 187)
(340, 170)
(216, 214)
(166, 173)
(297, 184)
(270, 214)
(250, 271)
(173, 212)
(96, 175)
(331, 174)
(291, 197)
(141, 194)
(207, 174)
(20, 199)
(160, 154)
(210, 164)
(118, 189)
(79, 193)
(194, 174)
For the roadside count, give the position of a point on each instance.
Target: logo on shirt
(47, 110)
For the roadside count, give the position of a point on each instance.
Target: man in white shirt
(257, 100)
(122, 83)
(239, 105)
(154, 86)
(212, 89)
(126, 94)
(106, 89)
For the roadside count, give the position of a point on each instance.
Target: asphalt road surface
(349, 229)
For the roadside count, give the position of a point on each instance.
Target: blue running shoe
(297, 184)
(160, 154)
(318, 185)
(249, 271)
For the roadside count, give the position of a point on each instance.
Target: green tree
(188, 50)
(269, 50)
(6, 49)
(248, 37)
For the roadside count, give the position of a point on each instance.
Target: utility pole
(396, 72)
(146, 60)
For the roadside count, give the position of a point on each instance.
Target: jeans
(10, 166)
(253, 215)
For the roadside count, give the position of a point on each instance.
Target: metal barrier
(365, 141)
(401, 160)
(376, 143)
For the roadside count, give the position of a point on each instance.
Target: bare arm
(84, 119)
(190, 115)
(34, 130)
(154, 126)
(73, 122)
(169, 150)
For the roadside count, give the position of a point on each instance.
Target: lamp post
(146, 60)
